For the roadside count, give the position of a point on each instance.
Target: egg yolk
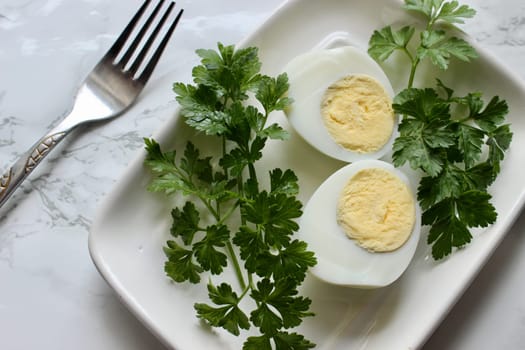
(377, 210)
(357, 111)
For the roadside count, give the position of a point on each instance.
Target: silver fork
(108, 90)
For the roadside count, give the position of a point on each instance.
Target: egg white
(339, 259)
(310, 74)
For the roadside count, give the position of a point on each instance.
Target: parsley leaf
(426, 7)
(449, 183)
(185, 223)
(275, 132)
(434, 10)
(498, 142)
(451, 218)
(206, 252)
(434, 43)
(237, 223)
(458, 142)
(198, 106)
(452, 13)
(475, 210)
(422, 104)
(384, 42)
(229, 73)
(282, 298)
(283, 182)
(275, 214)
(424, 131)
(417, 153)
(180, 265)
(292, 341)
(470, 140)
(271, 93)
(449, 150)
(293, 261)
(252, 246)
(261, 342)
(439, 48)
(492, 115)
(283, 340)
(192, 165)
(447, 233)
(229, 316)
(239, 158)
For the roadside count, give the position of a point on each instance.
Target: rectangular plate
(133, 225)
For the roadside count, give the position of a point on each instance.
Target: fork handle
(27, 162)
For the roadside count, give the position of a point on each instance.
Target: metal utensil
(108, 90)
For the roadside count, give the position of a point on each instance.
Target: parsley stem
(210, 208)
(230, 211)
(415, 63)
(245, 290)
(251, 285)
(253, 174)
(265, 119)
(236, 265)
(250, 281)
(223, 147)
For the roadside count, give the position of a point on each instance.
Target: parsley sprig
(229, 217)
(458, 142)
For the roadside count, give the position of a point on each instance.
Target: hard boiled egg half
(342, 103)
(363, 224)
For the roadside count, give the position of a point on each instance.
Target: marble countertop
(51, 295)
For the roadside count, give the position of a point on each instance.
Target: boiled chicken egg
(342, 103)
(363, 223)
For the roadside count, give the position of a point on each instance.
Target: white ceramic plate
(132, 225)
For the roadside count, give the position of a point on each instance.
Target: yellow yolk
(357, 111)
(377, 210)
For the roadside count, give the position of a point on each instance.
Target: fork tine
(129, 52)
(121, 40)
(140, 57)
(146, 73)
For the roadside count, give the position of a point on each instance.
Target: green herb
(251, 227)
(458, 142)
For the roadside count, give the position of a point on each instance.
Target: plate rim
(135, 308)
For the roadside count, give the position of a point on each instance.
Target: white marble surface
(51, 296)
